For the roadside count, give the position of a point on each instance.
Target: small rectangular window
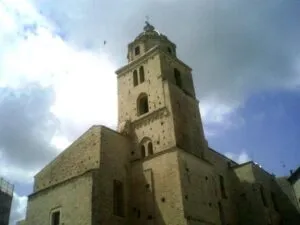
(274, 200)
(263, 197)
(222, 186)
(221, 213)
(118, 198)
(177, 78)
(55, 218)
(137, 50)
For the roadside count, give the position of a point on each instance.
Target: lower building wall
(72, 197)
(200, 190)
(156, 195)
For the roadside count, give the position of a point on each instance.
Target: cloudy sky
(57, 77)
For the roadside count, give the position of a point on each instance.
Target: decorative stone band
(150, 117)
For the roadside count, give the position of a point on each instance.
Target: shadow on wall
(263, 201)
(144, 208)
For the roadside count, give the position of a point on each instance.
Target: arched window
(177, 78)
(169, 50)
(150, 148)
(135, 78)
(143, 151)
(142, 104)
(137, 50)
(142, 74)
(146, 147)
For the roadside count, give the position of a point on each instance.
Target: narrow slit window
(143, 151)
(177, 76)
(135, 78)
(222, 186)
(55, 218)
(221, 213)
(150, 148)
(118, 198)
(274, 200)
(263, 197)
(142, 74)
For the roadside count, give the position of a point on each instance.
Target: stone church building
(157, 169)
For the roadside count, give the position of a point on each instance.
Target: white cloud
(84, 82)
(18, 209)
(241, 157)
(14, 173)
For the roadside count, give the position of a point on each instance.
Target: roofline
(243, 164)
(140, 39)
(125, 68)
(63, 151)
(144, 57)
(223, 156)
(253, 164)
(85, 173)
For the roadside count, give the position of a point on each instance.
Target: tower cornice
(152, 52)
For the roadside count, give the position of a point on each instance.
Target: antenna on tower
(147, 19)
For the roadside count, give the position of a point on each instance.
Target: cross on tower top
(148, 26)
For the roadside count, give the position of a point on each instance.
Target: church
(157, 168)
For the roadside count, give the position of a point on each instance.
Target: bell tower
(156, 98)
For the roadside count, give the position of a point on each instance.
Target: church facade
(157, 169)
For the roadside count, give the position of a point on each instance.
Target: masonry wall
(268, 205)
(73, 197)
(158, 127)
(288, 201)
(157, 124)
(156, 195)
(270, 214)
(244, 197)
(152, 86)
(168, 64)
(222, 167)
(200, 190)
(114, 165)
(81, 156)
(187, 121)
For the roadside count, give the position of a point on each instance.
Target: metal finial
(148, 26)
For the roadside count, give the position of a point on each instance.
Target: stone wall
(156, 195)
(199, 190)
(288, 200)
(81, 156)
(152, 86)
(73, 197)
(114, 165)
(259, 198)
(187, 121)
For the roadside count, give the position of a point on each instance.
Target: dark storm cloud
(26, 125)
(235, 46)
